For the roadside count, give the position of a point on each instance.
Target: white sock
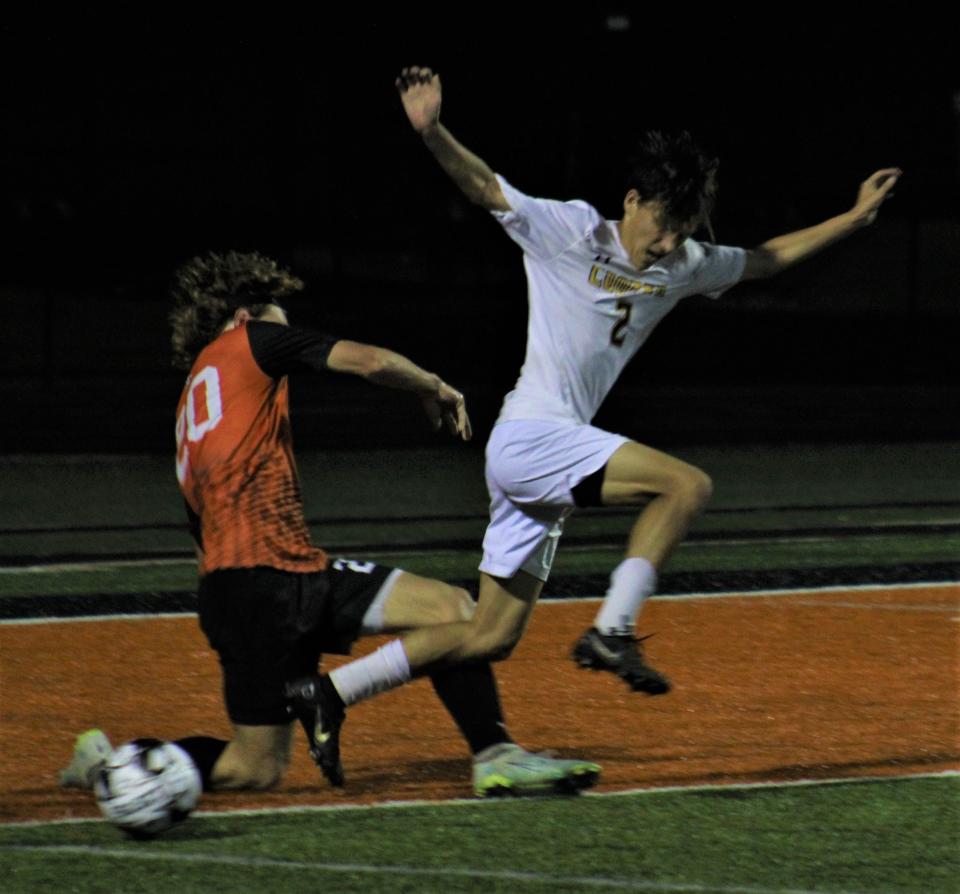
(377, 672)
(631, 582)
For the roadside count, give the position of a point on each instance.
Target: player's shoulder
(593, 220)
(524, 203)
(577, 209)
(686, 258)
(228, 342)
(692, 255)
(230, 348)
(588, 223)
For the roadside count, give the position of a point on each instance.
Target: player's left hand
(874, 191)
(447, 406)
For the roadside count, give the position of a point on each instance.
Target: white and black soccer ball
(147, 786)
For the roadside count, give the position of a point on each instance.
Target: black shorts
(270, 626)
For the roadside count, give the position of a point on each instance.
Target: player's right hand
(448, 407)
(420, 94)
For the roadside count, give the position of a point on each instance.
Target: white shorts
(532, 467)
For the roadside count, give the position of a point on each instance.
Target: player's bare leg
(453, 640)
(433, 617)
(256, 758)
(419, 602)
(503, 612)
(442, 626)
(675, 493)
(441, 631)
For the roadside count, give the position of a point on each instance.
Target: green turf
(57, 491)
(64, 490)
(117, 578)
(815, 552)
(898, 836)
(818, 551)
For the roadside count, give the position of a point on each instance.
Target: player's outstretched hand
(420, 94)
(447, 407)
(874, 191)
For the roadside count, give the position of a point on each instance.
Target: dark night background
(131, 145)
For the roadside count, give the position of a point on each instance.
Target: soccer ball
(147, 786)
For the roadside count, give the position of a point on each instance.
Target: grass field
(855, 837)
(100, 535)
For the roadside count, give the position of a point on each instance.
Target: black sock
(204, 751)
(469, 693)
(330, 691)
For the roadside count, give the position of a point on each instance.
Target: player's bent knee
(245, 768)
(464, 605)
(454, 605)
(265, 775)
(267, 778)
(698, 488)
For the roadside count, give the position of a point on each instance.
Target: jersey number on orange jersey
(198, 416)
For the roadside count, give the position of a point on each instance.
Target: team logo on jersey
(601, 278)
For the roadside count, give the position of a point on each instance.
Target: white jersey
(590, 308)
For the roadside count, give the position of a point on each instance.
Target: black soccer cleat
(621, 654)
(321, 715)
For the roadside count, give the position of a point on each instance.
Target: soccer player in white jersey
(597, 288)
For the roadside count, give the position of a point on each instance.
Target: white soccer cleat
(507, 769)
(90, 754)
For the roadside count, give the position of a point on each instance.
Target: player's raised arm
(783, 251)
(420, 93)
(443, 404)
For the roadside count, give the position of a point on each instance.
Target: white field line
(73, 567)
(88, 619)
(501, 875)
(549, 600)
(493, 802)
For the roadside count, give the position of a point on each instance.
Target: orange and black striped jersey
(235, 459)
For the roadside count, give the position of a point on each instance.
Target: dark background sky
(150, 140)
(132, 143)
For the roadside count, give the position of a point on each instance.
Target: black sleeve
(280, 350)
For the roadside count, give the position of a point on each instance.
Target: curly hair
(673, 170)
(208, 290)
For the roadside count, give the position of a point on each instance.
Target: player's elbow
(376, 363)
(485, 191)
(763, 262)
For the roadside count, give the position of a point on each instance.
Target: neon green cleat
(507, 769)
(90, 753)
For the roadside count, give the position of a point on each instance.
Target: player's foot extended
(321, 719)
(90, 754)
(507, 769)
(621, 654)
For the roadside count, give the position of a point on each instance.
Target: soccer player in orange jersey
(270, 602)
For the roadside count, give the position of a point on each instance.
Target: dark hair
(208, 290)
(673, 170)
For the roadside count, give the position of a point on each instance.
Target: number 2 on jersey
(619, 332)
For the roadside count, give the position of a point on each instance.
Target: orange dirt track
(798, 686)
